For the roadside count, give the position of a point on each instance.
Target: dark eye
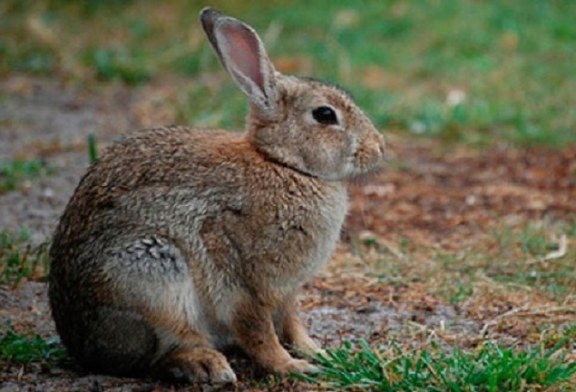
(325, 115)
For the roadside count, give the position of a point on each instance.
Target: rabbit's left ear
(241, 52)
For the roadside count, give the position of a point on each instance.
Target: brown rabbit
(179, 241)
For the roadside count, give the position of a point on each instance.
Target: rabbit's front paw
(307, 348)
(297, 366)
(199, 365)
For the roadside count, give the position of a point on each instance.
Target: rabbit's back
(177, 180)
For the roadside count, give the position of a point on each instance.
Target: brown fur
(181, 241)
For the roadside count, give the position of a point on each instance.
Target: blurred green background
(475, 72)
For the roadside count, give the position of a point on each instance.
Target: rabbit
(179, 242)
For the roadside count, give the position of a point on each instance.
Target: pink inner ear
(244, 52)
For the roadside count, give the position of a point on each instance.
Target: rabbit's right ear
(243, 55)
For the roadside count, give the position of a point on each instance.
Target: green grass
(507, 65)
(16, 173)
(25, 349)
(202, 106)
(488, 368)
(20, 260)
(92, 144)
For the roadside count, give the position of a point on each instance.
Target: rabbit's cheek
(335, 161)
(352, 146)
(347, 158)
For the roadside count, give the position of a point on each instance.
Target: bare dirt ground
(440, 199)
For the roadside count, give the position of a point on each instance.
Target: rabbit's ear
(241, 52)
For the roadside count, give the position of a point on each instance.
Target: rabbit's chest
(309, 233)
(279, 244)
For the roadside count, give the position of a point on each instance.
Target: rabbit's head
(310, 126)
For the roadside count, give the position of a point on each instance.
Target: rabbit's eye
(325, 115)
